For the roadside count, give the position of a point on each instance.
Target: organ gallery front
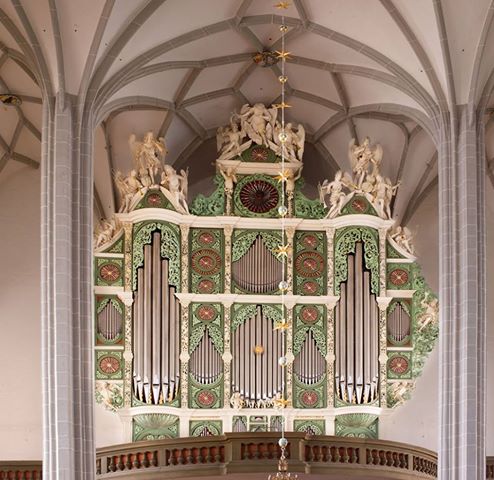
(188, 319)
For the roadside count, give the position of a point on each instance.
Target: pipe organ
(188, 315)
(156, 314)
(357, 340)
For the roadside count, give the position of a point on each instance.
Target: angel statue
(335, 189)
(399, 391)
(229, 142)
(148, 154)
(127, 187)
(361, 156)
(177, 186)
(402, 236)
(383, 195)
(258, 122)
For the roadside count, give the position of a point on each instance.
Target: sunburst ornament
(282, 250)
(281, 105)
(283, 176)
(283, 55)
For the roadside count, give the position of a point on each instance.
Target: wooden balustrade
(254, 453)
(20, 470)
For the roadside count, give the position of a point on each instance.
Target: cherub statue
(300, 141)
(230, 178)
(337, 196)
(236, 401)
(402, 236)
(399, 391)
(106, 231)
(431, 313)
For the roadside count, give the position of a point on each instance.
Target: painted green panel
(154, 426)
(359, 425)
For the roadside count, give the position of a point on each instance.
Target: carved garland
(345, 244)
(170, 248)
(242, 241)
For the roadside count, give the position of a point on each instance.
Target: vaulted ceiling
(377, 68)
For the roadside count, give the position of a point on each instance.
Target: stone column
(66, 290)
(462, 339)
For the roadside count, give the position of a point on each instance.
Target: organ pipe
(256, 348)
(206, 362)
(309, 365)
(110, 322)
(398, 324)
(156, 330)
(356, 320)
(258, 270)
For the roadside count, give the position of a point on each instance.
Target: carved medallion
(206, 239)
(206, 398)
(398, 365)
(154, 200)
(110, 272)
(259, 154)
(206, 313)
(309, 398)
(310, 241)
(206, 262)
(359, 205)
(309, 314)
(398, 277)
(109, 365)
(310, 288)
(309, 264)
(259, 196)
(205, 286)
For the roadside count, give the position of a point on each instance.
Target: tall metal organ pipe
(357, 340)
(256, 347)
(156, 312)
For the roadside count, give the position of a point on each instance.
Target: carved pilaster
(382, 261)
(289, 352)
(330, 259)
(227, 355)
(184, 355)
(127, 226)
(127, 299)
(228, 230)
(290, 233)
(330, 357)
(383, 356)
(184, 229)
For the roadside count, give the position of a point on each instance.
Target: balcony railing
(254, 453)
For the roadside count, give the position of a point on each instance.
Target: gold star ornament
(283, 54)
(282, 5)
(282, 251)
(281, 403)
(283, 325)
(283, 176)
(282, 105)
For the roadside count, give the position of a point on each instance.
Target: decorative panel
(205, 428)
(109, 271)
(360, 425)
(310, 426)
(207, 264)
(257, 195)
(154, 426)
(399, 365)
(110, 321)
(109, 365)
(399, 276)
(310, 263)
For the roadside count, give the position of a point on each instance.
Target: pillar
(67, 329)
(462, 340)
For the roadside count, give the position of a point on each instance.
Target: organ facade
(188, 316)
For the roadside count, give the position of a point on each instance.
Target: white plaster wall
(20, 337)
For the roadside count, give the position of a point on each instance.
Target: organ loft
(189, 323)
